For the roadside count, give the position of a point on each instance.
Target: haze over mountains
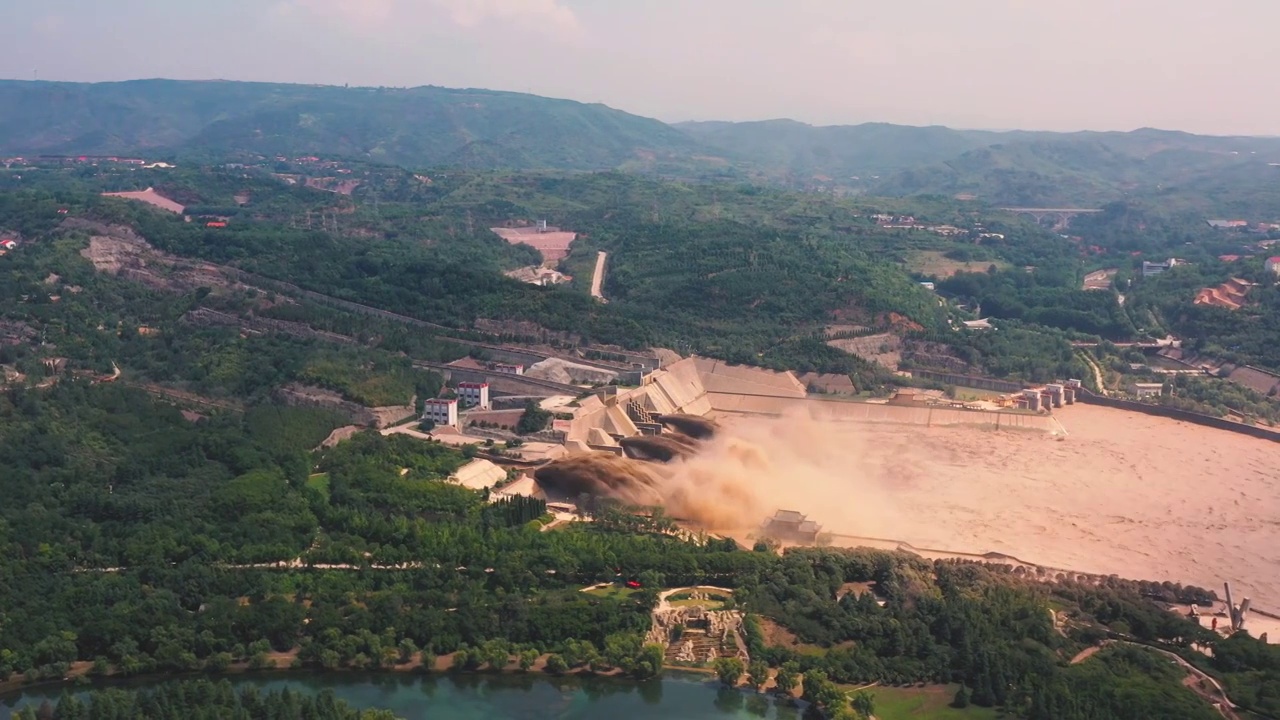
(422, 126)
(431, 126)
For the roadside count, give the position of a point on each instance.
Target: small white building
(441, 411)
(1273, 264)
(474, 394)
(508, 369)
(1146, 390)
(1150, 269)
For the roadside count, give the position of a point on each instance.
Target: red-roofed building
(474, 394)
(441, 411)
(1273, 264)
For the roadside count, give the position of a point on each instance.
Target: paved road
(597, 279)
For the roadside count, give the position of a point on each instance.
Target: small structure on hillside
(1230, 295)
(1143, 390)
(474, 394)
(441, 411)
(1150, 269)
(791, 526)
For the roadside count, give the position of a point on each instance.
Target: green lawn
(617, 591)
(937, 264)
(708, 604)
(319, 481)
(966, 394)
(927, 703)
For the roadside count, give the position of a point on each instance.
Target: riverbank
(284, 662)
(491, 696)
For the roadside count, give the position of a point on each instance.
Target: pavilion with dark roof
(791, 526)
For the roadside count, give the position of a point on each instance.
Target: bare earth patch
(553, 244)
(937, 264)
(881, 348)
(150, 197)
(1099, 279)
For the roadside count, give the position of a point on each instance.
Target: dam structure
(714, 389)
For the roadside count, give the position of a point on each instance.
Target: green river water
(503, 697)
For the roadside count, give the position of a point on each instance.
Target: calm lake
(504, 697)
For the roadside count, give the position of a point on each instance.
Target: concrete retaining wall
(502, 382)
(878, 413)
(1085, 396)
(970, 381)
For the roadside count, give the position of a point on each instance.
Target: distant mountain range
(430, 126)
(1018, 168)
(425, 126)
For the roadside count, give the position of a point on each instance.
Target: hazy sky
(1197, 65)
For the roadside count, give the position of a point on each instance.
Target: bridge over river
(1061, 216)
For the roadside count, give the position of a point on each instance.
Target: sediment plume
(663, 448)
(694, 426)
(603, 475)
(734, 480)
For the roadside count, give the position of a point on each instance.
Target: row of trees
(1047, 296)
(978, 626)
(198, 699)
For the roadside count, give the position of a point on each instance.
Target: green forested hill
(415, 126)
(1016, 168)
(838, 151)
(484, 129)
(747, 274)
(1091, 169)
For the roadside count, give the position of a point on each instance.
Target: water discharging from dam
(1122, 493)
(731, 480)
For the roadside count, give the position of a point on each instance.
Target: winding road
(1097, 373)
(1218, 698)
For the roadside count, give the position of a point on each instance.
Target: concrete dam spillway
(1123, 493)
(662, 448)
(721, 445)
(694, 426)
